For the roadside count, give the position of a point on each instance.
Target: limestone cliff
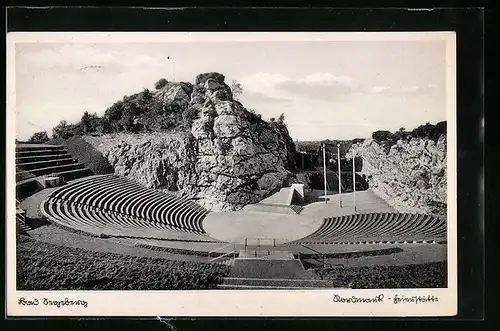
(411, 177)
(228, 158)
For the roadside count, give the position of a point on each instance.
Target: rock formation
(228, 158)
(411, 177)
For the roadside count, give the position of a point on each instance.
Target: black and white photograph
(218, 163)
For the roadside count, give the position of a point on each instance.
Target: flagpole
(324, 169)
(354, 177)
(173, 65)
(340, 182)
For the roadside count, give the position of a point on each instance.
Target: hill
(194, 139)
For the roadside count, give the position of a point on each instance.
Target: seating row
(110, 200)
(379, 227)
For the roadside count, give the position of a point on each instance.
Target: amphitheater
(270, 244)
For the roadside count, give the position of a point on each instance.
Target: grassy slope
(428, 275)
(44, 266)
(85, 153)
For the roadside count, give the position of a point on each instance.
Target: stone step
(47, 151)
(276, 282)
(269, 208)
(21, 225)
(35, 158)
(266, 254)
(266, 269)
(57, 169)
(37, 147)
(297, 209)
(66, 159)
(250, 287)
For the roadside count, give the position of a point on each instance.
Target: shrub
(188, 117)
(253, 117)
(90, 122)
(62, 130)
(430, 131)
(104, 126)
(161, 83)
(381, 136)
(281, 119)
(39, 137)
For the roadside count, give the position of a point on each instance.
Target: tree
(161, 83)
(439, 130)
(113, 115)
(382, 135)
(128, 115)
(236, 88)
(89, 122)
(400, 134)
(62, 130)
(423, 131)
(39, 137)
(104, 126)
(144, 101)
(281, 119)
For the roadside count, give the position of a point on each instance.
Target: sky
(325, 89)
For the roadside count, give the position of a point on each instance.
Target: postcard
(231, 174)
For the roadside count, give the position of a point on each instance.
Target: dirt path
(57, 236)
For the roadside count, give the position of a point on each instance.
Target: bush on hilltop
(39, 137)
(161, 83)
(149, 111)
(62, 130)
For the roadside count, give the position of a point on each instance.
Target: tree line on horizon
(383, 137)
(427, 131)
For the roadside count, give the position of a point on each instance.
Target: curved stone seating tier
(378, 227)
(118, 204)
(91, 220)
(151, 206)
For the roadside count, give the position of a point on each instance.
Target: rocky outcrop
(173, 93)
(228, 158)
(411, 177)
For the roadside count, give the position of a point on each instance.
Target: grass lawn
(45, 266)
(428, 275)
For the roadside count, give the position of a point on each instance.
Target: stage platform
(236, 226)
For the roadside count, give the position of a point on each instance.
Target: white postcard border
(230, 303)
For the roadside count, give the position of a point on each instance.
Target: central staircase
(265, 270)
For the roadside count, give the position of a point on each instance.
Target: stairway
(34, 161)
(271, 284)
(21, 225)
(254, 270)
(297, 209)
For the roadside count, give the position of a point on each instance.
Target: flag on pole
(173, 68)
